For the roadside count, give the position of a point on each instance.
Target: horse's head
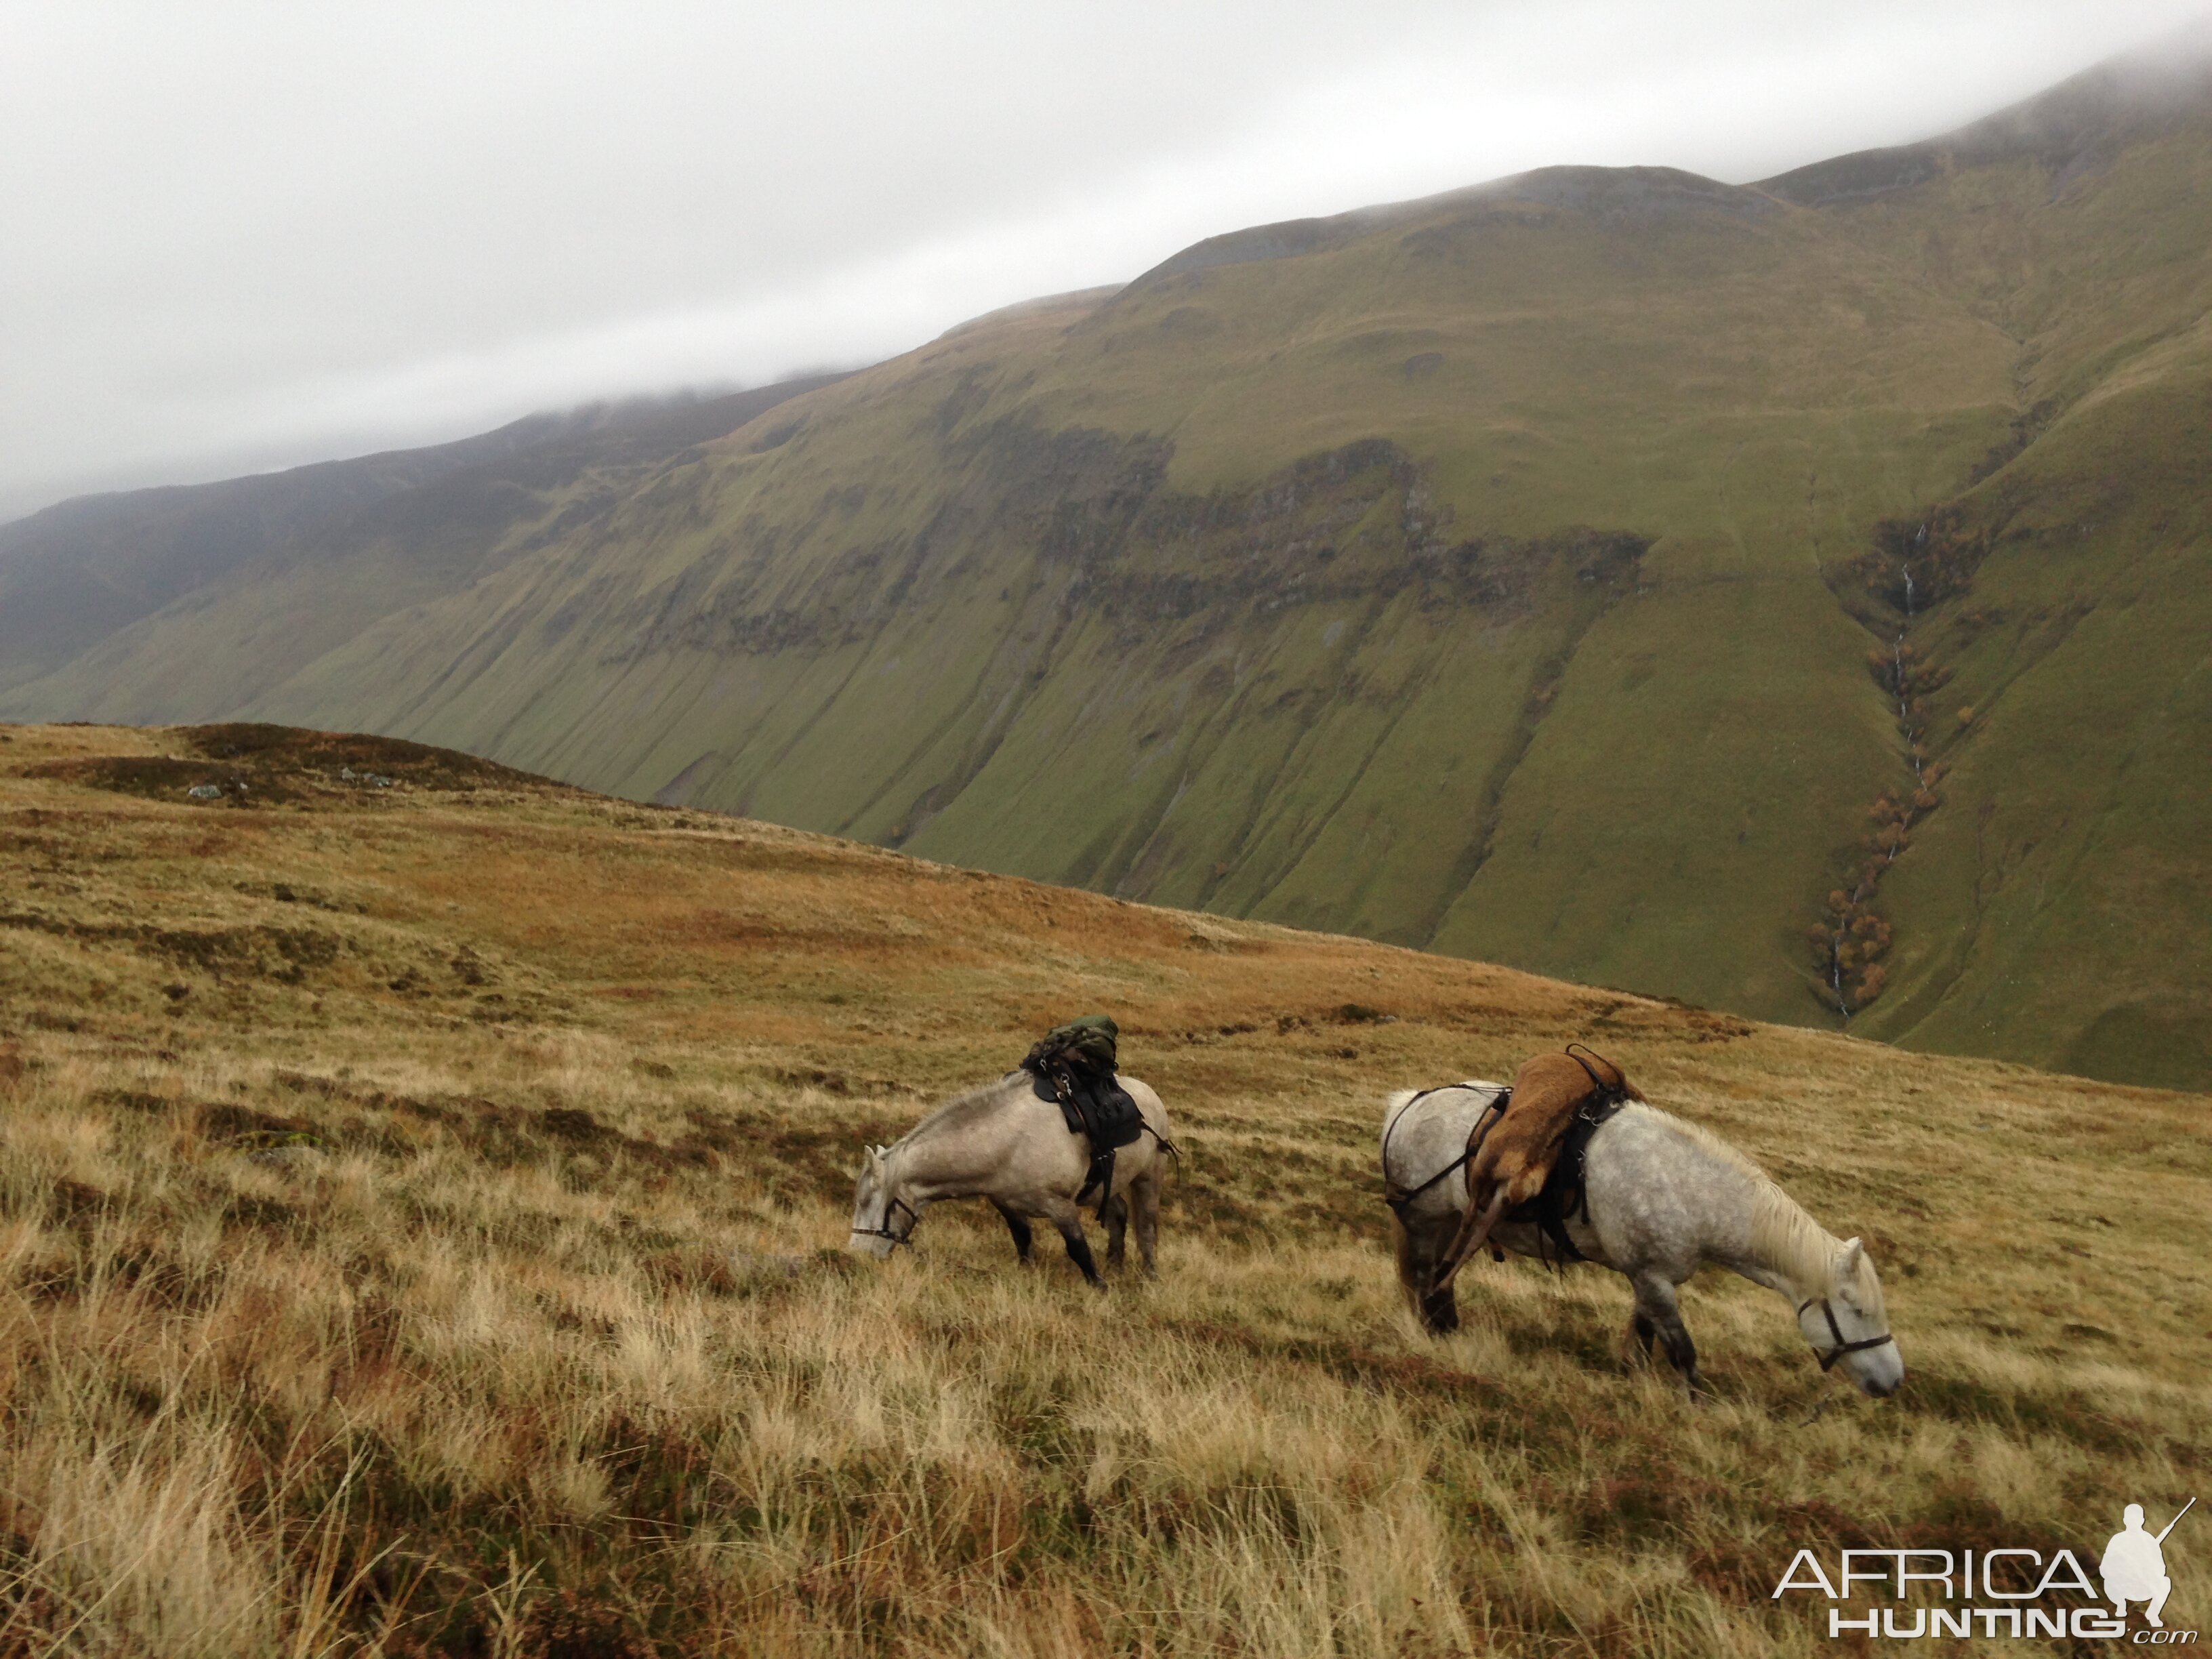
(1848, 1327)
(881, 1219)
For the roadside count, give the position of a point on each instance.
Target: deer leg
(1469, 1241)
(1019, 1227)
(1656, 1307)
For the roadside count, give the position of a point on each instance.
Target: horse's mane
(1783, 1234)
(961, 1109)
(1713, 1144)
(1785, 1238)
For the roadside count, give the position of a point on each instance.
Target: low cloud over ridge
(256, 235)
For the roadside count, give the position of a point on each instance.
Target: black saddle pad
(1564, 1194)
(1096, 1106)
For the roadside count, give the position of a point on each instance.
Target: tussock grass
(468, 1281)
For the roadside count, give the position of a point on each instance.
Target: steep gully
(1915, 564)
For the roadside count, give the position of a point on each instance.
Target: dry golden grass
(419, 1222)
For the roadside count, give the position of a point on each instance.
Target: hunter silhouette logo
(2134, 1566)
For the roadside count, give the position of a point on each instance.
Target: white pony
(1005, 1143)
(1663, 1199)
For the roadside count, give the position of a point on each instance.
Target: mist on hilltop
(267, 236)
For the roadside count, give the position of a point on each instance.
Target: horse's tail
(1167, 1147)
(1437, 1309)
(1412, 1276)
(1156, 1131)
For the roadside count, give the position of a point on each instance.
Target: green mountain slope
(204, 595)
(2056, 903)
(1593, 571)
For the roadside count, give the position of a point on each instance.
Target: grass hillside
(1788, 598)
(420, 1209)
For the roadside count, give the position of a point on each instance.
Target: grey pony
(1665, 1198)
(1001, 1142)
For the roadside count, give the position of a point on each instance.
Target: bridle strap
(1841, 1347)
(912, 1216)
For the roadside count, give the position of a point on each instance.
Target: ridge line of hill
(1497, 571)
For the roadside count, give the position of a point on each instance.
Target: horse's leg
(1642, 1333)
(1069, 1220)
(1656, 1305)
(1145, 1202)
(1117, 1227)
(1019, 1227)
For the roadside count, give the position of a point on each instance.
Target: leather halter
(1841, 1347)
(913, 1218)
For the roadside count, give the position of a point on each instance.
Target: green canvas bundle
(1084, 1045)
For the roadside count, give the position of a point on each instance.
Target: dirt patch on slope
(256, 765)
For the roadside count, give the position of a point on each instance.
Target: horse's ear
(1847, 1264)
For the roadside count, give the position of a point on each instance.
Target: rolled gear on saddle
(1073, 1065)
(1527, 1164)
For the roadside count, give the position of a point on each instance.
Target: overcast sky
(235, 236)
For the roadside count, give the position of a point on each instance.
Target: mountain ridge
(117, 554)
(1589, 571)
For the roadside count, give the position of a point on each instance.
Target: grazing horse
(1663, 1198)
(1005, 1143)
